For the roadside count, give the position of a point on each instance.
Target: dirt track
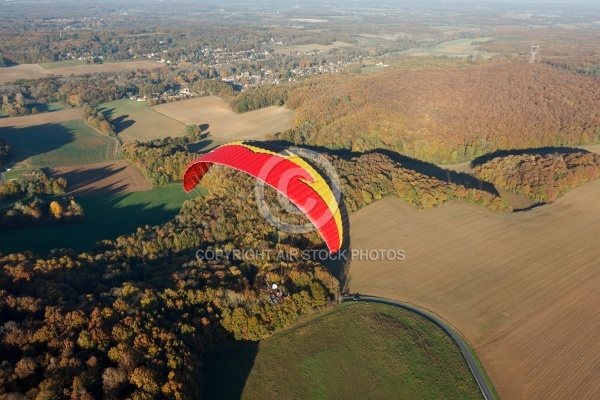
(522, 288)
(109, 177)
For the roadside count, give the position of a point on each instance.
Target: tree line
(4, 153)
(542, 178)
(97, 120)
(162, 160)
(369, 177)
(38, 212)
(261, 97)
(33, 183)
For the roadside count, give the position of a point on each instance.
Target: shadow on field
(121, 123)
(31, 141)
(202, 146)
(413, 164)
(106, 217)
(445, 175)
(541, 151)
(224, 374)
(92, 181)
(116, 215)
(41, 107)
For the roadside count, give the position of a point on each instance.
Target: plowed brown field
(101, 178)
(522, 288)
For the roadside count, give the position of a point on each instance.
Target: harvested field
(23, 71)
(595, 148)
(109, 177)
(34, 71)
(522, 288)
(460, 45)
(44, 118)
(134, 120)
(225, 125)
(93, 68)
(307, 48)
(458, 48)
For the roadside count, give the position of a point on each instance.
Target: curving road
(477, 373)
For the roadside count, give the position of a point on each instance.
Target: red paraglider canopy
(285, 171)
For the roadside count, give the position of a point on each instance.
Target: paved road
(477, 373)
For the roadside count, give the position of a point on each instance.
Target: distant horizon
(354, 2)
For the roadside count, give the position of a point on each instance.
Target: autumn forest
(429, 107)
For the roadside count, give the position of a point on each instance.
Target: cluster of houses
(183, 92)
(268, 76)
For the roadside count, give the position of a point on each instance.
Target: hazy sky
(501, 4)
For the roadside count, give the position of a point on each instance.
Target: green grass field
(106, 217)
(14, 173)
(305, 48)
(370, 41)
(134, 120)
(60, 64)
(356, 351)
(69, 142)
(457, 48)
(373, 68)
